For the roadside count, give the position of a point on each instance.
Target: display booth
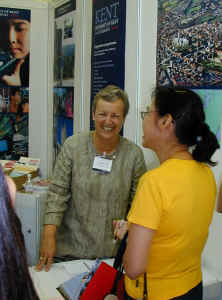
(49, 25)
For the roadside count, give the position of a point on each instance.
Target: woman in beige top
(94, 182)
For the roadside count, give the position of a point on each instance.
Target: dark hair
(110, 94)
(15, 280)
(186, 109)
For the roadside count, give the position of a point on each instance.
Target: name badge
(102, 164)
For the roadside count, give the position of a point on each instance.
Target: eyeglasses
(144, 113)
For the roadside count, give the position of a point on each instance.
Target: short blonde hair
(111, 93)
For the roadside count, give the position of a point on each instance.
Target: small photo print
(14, 116)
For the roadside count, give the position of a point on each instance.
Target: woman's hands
(120, 228)
(48, 248)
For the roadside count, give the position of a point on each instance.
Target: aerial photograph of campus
(189, 44)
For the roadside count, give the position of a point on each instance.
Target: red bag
(107, 280)
(101, 283)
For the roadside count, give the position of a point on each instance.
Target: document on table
(46, 283)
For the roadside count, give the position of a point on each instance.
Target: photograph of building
(189, 43)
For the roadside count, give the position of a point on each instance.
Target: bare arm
(48, 248)
(137, 251)
(219, 200)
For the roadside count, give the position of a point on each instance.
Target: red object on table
(100, 284)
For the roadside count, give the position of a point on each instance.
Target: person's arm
(135, 258)
(11, 189)
(48, 248)
(219, 200)
(144, 218)
(120, 228)
(58, 196)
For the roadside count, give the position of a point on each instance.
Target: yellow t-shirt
(177, 200)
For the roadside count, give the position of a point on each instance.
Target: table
(47, 282)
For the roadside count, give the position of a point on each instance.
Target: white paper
(47, 282)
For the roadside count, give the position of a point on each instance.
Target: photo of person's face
(19, 37)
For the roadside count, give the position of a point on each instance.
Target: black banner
(108, 45)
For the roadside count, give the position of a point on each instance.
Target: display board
(213, 109)
(15, 26)
(189, 43)
(64, 71)
(108, 45)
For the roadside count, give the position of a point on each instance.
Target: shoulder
(128, 145)
(177, 171)
(147, 176)
(153, 176)
(78, 141)
(210, 178)
(208, 169)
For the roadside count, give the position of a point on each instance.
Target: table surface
(47, 282)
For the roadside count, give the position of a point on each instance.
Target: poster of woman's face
(14, 46)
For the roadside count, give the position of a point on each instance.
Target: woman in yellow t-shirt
(174, 203)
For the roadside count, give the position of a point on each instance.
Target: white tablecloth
(47, 282)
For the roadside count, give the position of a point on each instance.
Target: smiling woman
(110, 108)
(109, 119)
(94, 182)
